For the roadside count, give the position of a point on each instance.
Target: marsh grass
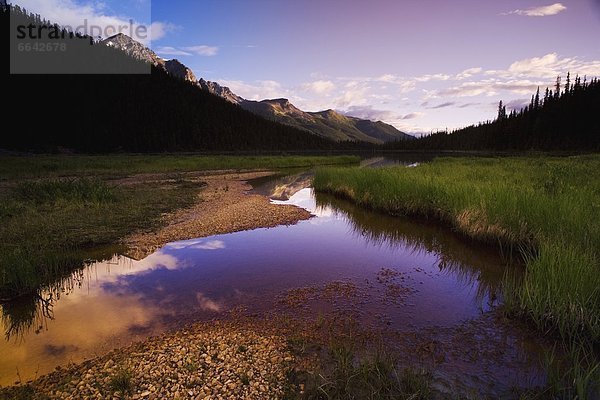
(336, 357)
(350, 374)
(44, 166)
(88, 190)
(49, 228)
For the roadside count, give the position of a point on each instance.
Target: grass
(21, 392)
(349, 374)
(48, 228)
(55, 211)
(544, 210)
(337, 357)
(122, 382)
(44, 166)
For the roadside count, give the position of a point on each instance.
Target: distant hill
(328, 124)
(135, 113)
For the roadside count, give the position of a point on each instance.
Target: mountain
(221, 91)
(134, 48)
(327, 124)
(101, 113)
(142, 53)
(178, 70)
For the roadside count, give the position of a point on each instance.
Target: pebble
(160, 367)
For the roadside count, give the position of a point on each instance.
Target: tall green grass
(546, 210)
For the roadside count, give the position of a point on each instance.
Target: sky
(420, 65)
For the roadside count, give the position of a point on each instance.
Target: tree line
(566, 117)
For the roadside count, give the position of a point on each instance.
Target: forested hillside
(116, 112)
(566, 117)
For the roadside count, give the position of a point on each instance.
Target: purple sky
(418, 64)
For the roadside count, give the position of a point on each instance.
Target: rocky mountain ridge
(329, 124)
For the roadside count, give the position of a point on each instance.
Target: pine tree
(501, 111)
(532, 103)
(537, 99)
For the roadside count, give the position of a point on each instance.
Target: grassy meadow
(56, 211)
(545, 210)
(44, 166)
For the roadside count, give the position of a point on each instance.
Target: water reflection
(111, 303)
(282, 187)
(479, 267)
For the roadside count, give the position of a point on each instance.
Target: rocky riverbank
(217, 360)
(222, 206)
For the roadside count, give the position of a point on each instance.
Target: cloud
(442, 105)
(209, 245)
(516, 104)
(94, 20)
(202, 50)
(201, 244)
(368, 112)
(436, 77)
(257, 90)
(490, 87)
(548, 66)
(160, 259)
(467, 73)
(319, 87)
(386, 78)
(404, 85)
(171, 51)
(412, 115)
(159, 30)
(466, 105)
(207, 304)
(354, 93)
(542, 11)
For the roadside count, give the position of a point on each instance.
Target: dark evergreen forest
(566, 117)
(133, 113)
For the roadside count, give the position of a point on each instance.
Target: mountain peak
(133, 48)
(280, 101)
(221, 91)
(138, 51)
(179, 70)
(120, 36)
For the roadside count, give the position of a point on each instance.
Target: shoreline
(199, 361)
(221, 206)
